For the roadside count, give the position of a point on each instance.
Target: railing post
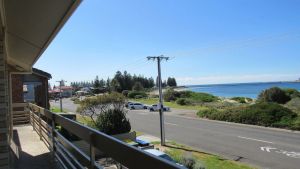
(92, 151)
(53, 134)
(33, 123)
(40, 123)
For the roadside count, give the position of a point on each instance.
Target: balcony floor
(33, 153)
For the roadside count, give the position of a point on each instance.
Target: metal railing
(45, 123)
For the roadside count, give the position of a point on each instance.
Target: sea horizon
(250, 89)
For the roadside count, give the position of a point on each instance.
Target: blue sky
(208, 41)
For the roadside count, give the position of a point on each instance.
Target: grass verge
(56, 109)
(169, 104)
(209, 161)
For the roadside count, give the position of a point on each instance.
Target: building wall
(17, 85)
(4, 106)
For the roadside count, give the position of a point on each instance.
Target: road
(258, 146)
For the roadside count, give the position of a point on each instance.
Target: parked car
(126, 104)
(135, 106)
(155, 107)
(146, 106)
(163, 155)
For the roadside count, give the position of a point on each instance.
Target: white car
(135, 106)
(155, 107)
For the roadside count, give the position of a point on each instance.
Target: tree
(108, 83)
(137, 86)
(171, 82)
(97, 82)
(164, 83)
(151, 82)
(115, 86)
(102, 83)
(93, 106)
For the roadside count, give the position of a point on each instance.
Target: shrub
(183, 102)
(188, 162)
(113, 122)
(292, 93)
(207, 112)
(239, 99)
(264, 114)
(294, 104)
(171, 95)
(202, 97)
(125, 93)
(199, 165)
(274, 94)
(133, 94)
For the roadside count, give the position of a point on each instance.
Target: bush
(294, 104)
(171, 95)
(133, 94)
(292, 93)
(113, 122)
(183, 102)
(274, 94)
(202, 97)
(264, 114)
(125, 93)
(188, 162)
(199, 165)
(208, 112)
(239, 99)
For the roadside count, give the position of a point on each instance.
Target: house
(27, 27)
(66, 91)
(31, 87)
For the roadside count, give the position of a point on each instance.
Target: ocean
(250, 90)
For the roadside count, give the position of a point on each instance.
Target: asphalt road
(261, 147)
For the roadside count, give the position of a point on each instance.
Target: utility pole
(160, 105)
(60, 94)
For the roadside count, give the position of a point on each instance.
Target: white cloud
(218, 79)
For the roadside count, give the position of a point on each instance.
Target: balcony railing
(46, 124)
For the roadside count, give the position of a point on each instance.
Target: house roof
(41, 73)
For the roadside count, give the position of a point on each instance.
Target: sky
(208, 42)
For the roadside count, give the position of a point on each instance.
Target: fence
(46, 124)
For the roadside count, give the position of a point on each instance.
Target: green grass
(84, 120)
(55, 109)
(177, 151)
(169, 104)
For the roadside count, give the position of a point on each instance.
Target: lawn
(55, 109)
(169, 104)
(209, 161)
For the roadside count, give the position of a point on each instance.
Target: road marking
(282, 152)
(171, 124)
(268, 149)
(253, 139)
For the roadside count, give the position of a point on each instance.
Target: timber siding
(4, 155)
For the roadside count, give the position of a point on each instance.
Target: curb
(240, 124)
